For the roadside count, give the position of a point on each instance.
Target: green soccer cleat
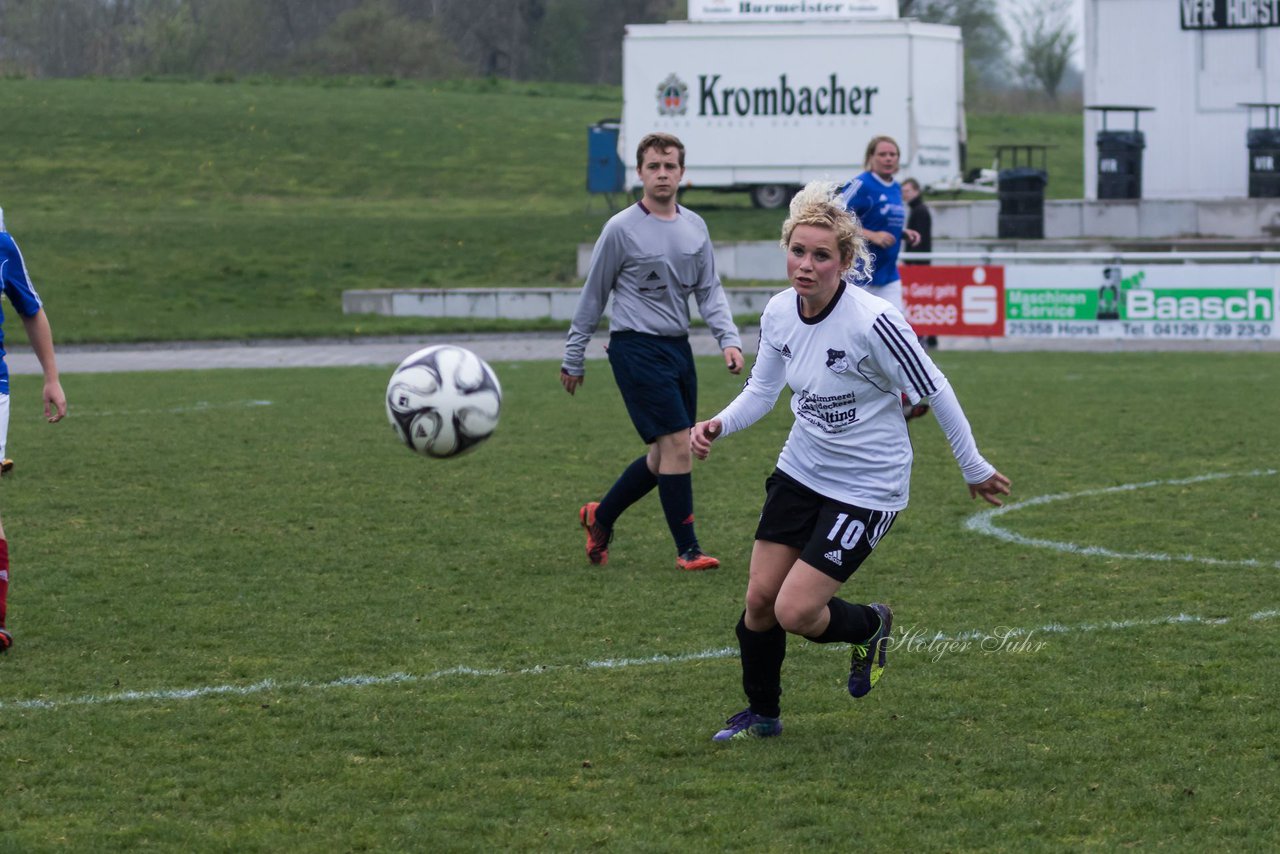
(868, 659)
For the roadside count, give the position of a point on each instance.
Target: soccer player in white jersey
(23, 297)
(845, 469)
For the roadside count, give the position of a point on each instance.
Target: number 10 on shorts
(852, 531)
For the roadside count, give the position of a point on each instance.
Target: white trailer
(767, 107)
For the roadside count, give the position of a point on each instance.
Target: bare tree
(986, 41)
(375, 38)
(571, 40)
(1048, 40)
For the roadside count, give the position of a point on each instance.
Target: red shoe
(598, 536)
(6, 466)
(6, 641)
(917, 411)
(695, 561)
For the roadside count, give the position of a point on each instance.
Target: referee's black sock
(676, 492)
(849, 623)
(633, 484)
(762, 655)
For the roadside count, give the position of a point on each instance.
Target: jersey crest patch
(837, 361)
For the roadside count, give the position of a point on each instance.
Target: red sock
(4, 578)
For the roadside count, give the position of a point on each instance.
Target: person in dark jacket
(919, 233)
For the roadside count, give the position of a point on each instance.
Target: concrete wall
(1074, 223)
(560, 303)
(510, 303)
(1143, 219)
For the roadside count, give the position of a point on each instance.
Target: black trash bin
(1021, 194)
(1120, 154)
(1264, 163)
(1120, 164)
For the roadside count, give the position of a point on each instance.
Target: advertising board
(954, 300)
(1109, 301)
(791, 10)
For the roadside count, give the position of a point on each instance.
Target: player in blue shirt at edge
(651, 258)
(23, 297)
(875, 198)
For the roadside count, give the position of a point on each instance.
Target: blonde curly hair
(817, 205)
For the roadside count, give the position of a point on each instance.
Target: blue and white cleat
(746, 724)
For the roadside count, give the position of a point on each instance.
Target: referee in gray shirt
(652, 257)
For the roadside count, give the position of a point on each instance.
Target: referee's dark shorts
(656, 376)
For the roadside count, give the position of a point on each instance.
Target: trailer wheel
(770, 196)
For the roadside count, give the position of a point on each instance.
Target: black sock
(849, 623)
(633, 484)
(676, 492)
(762, 655)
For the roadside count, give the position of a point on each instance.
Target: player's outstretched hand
(570, 382)
(55, 402)
(702, 435)
(733, 360)
(990, 489)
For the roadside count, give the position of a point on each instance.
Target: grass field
(168, 210)
(247, 619)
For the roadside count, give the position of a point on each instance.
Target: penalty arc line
(266, 685)
(983, 523)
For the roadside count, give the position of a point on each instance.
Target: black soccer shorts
(832, 536)
(657, 380)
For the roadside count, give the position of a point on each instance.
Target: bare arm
(41, 337)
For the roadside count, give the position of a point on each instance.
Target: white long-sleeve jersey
(847, 369)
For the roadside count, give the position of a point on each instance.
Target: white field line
(198, 406)
(979, 522)
(915, 641)
(983, 523)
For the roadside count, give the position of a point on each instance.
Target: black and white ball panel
(443, 401)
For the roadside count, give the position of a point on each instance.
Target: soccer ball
(443, 401)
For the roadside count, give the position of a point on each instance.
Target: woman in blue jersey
(845, 469)
(875, 198)
(23, 297)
